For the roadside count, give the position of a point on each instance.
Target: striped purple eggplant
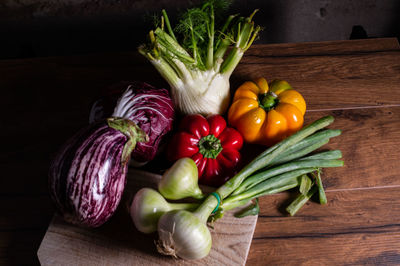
(88, 175)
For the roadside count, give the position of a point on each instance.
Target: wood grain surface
(47, 99)
(356, 227)
(332, 81)
(371, 158)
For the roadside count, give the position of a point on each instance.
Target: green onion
(147, 207)
(300, 201)
(294, 165)
(181, 181)
(272, 185)
(305, 184)
(328, 155)
(307, 145)
(321, 191)
(265, 158)
(252, 209)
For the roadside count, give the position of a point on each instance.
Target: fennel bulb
(198, 65)
(207, 94)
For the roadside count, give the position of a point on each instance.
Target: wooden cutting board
(119, 243)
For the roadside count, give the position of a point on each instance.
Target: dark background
(31, 28)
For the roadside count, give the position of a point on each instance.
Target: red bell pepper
(212, 145)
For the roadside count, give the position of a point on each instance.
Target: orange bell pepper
(266, 113)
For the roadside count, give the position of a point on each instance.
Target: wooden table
(46, 100)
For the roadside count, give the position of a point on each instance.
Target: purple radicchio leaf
(148, 107)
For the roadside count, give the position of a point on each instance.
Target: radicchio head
(148, 107)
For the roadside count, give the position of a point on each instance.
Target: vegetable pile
(283, 166)
(88, 174)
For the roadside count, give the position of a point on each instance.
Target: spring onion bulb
(148, 206)
(198, 57)
(181, 181)
(185, 234)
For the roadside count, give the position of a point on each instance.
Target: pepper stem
(210, 146)
(269, 100)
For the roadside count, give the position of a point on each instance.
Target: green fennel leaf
(197, 27)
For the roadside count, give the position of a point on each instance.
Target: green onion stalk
(185, 234)
(198, 56)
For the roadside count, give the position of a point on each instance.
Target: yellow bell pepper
(266, 113)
